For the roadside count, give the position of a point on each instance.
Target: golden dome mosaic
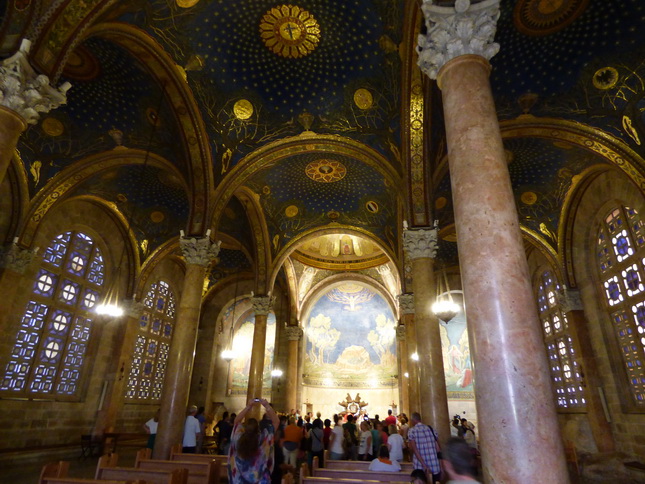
(326, 171)
(544, 17)
(289, 31)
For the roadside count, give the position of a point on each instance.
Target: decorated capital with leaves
(294, 333)
(406, 303)
(466, 28)
(16, 259)
(569, 300)
(400, 332)
(420, 243)
(262, 304)
(200, 251)
(24, 91)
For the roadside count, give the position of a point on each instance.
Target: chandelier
(445, 308)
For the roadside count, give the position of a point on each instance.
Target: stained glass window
(621, 264)
(152, 344)
(48, 353)
(565, 371)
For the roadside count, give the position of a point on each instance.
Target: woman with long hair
(250, 457)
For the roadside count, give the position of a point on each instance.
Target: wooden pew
(71, 480)
(206, 472)
(105, 470)
(358, 480)
(366, 475)
(123, 439)
(356, 465)
(221, 470)
(54, 469)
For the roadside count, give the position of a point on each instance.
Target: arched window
(152, 344)
(565, 371)
(621, 258)
(48, 354)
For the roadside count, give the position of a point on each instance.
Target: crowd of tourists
(263, 451)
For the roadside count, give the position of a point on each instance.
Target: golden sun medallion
(289, 31)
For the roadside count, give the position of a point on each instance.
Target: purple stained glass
(622, 245)
(632, 280)
(613, 291)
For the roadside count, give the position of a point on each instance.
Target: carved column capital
(16, 259)
(294, 333)
(570, 300)
(262, 304)
(24, 91)
(200, 251)
(406, 303)
(420, 243)
(466, 28)
(400, 332)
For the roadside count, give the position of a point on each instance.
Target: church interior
(428, 206)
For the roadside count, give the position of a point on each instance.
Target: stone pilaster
(512, 379)
(24, 94)
(409, 347)
(404, 387)
(199, 253)
(420, 246)
(294, 334)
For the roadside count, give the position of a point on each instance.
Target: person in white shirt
(192, 431)
(151, 429)
(365, 443)
(336, 451)
(395, 444)
(383, 462)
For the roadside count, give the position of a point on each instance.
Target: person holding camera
(251, 453)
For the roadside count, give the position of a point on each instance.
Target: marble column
(512, 381)
(404, 387)
(262, 307)
(120, 371)
(198, 253)
(406, 307)
(420, 246)
(571, 305)
(294, 333)
(23, 96)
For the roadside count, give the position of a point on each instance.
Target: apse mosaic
(457, 362)
(153, 201)
(115, 105)
(350, 339)
(263, 71)
(293, 201)
(242, 345)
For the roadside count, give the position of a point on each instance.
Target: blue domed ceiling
(313, 190)
(113, 102)
(261, 70)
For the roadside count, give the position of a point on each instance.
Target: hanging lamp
(445, 308)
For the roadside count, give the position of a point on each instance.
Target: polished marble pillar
(23, 96)
(512, 381)
(262, 307)
(571, 304)
(406, 307)
(294, 333)
(404, 387)
(420, 246)
(198, 253)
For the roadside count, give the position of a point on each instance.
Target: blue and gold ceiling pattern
(301, 193)
(234, 222)
(152, 200)
(113, 102)
(250, 95)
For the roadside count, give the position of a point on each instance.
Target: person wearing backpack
(350, 439)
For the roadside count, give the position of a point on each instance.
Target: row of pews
(351, 472)
(211, 469)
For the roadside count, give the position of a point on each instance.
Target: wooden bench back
(358, 480)
(71, 480)
(222, 459)
(150, 476)
(363, 474)
(357, 465)
(198, 472)
(54, 469)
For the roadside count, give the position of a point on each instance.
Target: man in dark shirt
(224, 429)
(349, 430)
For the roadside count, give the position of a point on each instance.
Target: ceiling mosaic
(234, 223)
(294, 202)
(152, 200)
(542, 173)
(113, 102)
(262, 71)
(340, 252)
